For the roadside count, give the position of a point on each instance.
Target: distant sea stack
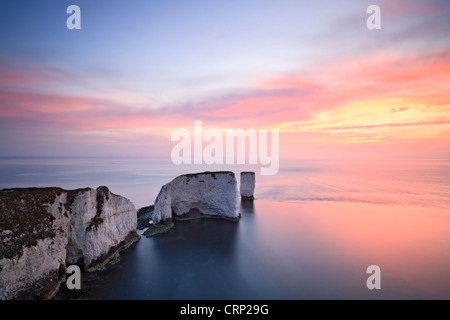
(206, 194)
(44, 230)
(247, 185)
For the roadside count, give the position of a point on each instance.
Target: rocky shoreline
(192, 196)
(44, 230)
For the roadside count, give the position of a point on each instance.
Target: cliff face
(43, 230)
(207, 193)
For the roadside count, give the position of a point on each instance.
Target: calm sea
(311, 233)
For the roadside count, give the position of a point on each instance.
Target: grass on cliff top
(212, 173)
(102, 196)
(24, 218)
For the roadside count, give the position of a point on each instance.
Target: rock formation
(247, 185)
(211, 194)
(144, 215)
(43, 230)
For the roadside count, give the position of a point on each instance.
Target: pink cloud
(398, 8)
(82, 113)
(15, 77)
(334, 83)
(286, 98)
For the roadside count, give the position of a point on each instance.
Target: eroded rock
(44, 229)
(206, 194)
(247, 185)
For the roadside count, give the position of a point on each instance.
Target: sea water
(311, 232)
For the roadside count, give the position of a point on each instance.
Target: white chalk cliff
(206, 193)
(247, 185)
(44, 230)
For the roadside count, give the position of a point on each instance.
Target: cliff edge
(43, 230)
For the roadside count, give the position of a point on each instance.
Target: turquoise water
(310, 234)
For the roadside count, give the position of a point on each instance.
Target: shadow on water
(247, 206)
(197, 256)
(193, 260)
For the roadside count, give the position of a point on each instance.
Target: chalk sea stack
(190, 196)
(247, 185)
(44, 230)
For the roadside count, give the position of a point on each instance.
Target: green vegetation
(212, 173)
(158, 228)
(71, 196)
(25, 219)
(102, 195)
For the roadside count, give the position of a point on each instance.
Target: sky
(138, 70)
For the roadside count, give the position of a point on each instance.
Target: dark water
(310, 234)
(269, 254)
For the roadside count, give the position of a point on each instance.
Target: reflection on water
(310, 234)
(289, 251)
(194, 260)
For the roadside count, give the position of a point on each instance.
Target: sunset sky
(137, 70)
